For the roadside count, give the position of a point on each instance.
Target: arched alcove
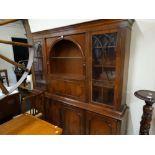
(66, 58)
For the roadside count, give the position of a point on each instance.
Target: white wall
(141, 70)
(141, 67)
(6, 32)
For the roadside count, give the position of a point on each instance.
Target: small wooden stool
(149, 98)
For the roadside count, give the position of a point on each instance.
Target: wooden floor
(28, 125)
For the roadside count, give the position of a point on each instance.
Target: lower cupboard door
(100, 125)
(73, 121)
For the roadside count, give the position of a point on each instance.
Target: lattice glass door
(103, 67)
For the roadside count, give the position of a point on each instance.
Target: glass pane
(104, 60)
(38, 61)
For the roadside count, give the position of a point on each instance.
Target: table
(26, 124)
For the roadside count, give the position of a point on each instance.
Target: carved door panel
(73, 121)
(53, 113)
(100, 125)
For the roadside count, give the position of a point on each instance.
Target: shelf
(68, 76)
(105, 47)
(101, 101)
(40, 81)
(66, 58)
(104, 66)
(103, 84)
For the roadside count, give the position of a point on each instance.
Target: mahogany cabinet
(85, 73)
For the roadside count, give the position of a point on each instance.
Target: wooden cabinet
(86, 70)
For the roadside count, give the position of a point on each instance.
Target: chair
(4, 75)
(36, 104)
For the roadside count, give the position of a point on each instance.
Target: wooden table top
(28, 125)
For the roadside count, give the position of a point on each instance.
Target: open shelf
(67, 72)
(65, 57)
(68, 59)
(105, 66)
(67, 76)
(104, 47)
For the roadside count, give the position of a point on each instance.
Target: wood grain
(15, 43)
(28, 125)
(7, 21)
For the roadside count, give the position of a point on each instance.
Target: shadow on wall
(141, 74)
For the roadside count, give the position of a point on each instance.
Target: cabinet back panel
(67, 66)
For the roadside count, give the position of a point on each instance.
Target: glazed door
(104, 53)
(39, 64)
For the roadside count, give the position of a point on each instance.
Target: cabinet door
(73, 121)
(38, 64)
(104, 53)
(53, 112)
(100, 125)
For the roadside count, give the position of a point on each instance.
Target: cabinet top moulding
(84, 27)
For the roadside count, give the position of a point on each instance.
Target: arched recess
(66, 58)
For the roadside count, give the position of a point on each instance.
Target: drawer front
(71, 89)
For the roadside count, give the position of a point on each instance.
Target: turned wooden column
(149, 98)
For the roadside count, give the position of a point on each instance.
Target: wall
(6, 32)
(141, 67)
(141, 70)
